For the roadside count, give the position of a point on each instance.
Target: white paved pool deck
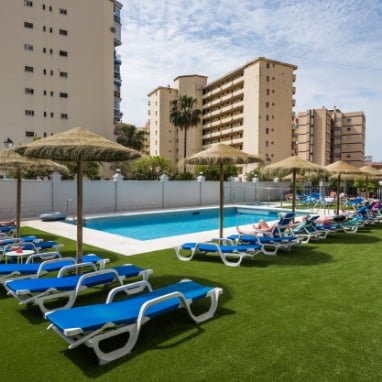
(122, 245)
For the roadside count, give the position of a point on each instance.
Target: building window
(51, 72)
(44, 28)
(29, 91)
(45, 114)
(63, 11)
(50, 8)
(63, 53)
(51, 93)
(51, 30)
(51, 115)
(29, 133)
(28, 25)
(28, 3)
(64, 116)
(267, 78)
(51, 51)
(29, 112)
(28, 68)
(44, 71)
(44, 92)
(28, 47)
(64, 74)
(43, 7)
(64, 95)
(63, 32)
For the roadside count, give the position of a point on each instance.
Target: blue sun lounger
(51, 261)
(43, 290)
(281, 236)
(187, 251)
(92, 324)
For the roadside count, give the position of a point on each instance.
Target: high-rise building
(59, 68)
(324, 136)
(250, 108)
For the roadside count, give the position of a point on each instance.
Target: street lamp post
(8, 143)
(255, 180)
(276, 182)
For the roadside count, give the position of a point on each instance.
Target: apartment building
(250, 108)
(59, 68)
(324, 136)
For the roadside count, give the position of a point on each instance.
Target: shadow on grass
(360, 237)
(299, 255)
(165, 331)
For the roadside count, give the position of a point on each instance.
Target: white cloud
(337, 46)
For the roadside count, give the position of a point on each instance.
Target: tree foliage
(184, 115)
(148, 168)
(130, 136)
(212, 172)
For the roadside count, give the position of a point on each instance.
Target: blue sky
(336, 44)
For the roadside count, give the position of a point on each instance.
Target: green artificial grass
(312, 314)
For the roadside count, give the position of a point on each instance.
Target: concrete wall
(103, 196)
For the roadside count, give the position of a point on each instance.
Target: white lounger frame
(25, 297)
(240, 255)
(76, 336)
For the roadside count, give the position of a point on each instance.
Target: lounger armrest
(131, 288)
(42, 266)
(223, 240)
(41, 256)
(75, 267)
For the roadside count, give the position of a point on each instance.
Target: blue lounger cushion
(239, 252)
(69, 282)
(90, 325)
(50, 262)
(207, 247)
(42, 290)
(124, 312)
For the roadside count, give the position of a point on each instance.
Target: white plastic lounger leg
(135, 328)
(214, 297)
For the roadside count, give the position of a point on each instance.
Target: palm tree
(184, 115)
(130, 136)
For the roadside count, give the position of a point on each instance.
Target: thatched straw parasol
(78, 145)
(296, 165)
(339, 168)
(11, 160)
(370, 172)
(299, 178)
(221, 154)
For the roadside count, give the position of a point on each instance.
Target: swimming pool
(163, 224)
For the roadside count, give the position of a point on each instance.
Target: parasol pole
(18, 202)
(338, 193)
(221, 210)
(294, 190)
(79, 211)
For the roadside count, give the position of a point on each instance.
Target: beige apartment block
(165, 139)
(57, 68)
(250, 108)
(324, 136)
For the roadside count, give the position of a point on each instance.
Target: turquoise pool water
(158, 225)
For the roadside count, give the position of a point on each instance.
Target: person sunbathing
(8, 223)
(263, 226)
